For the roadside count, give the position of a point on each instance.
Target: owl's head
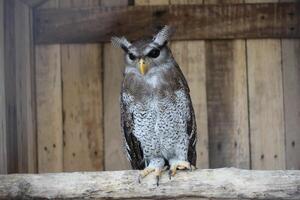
(147, 53)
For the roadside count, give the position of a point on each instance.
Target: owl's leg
(156, 165)
(178, 164)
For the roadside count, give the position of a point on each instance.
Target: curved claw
(157, 180)
(179, 165)
(148, 170)
(170, 174)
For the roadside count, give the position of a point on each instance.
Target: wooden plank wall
(266, 111)
(75, 94)
(227, 101)
(245, 94)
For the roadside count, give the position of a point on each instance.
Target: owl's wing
(191, 124)
(132, 145)
(192, 132)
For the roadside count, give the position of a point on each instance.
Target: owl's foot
(179, 165)
(148, 170)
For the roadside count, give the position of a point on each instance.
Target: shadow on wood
(224, 183)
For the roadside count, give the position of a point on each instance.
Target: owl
(157, 117)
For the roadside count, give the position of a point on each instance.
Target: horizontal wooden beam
(71, 25)
(226, 183)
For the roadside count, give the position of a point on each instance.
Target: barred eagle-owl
(157, 116)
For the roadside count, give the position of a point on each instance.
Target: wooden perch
(225, 183)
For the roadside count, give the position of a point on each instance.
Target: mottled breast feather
(173, 81)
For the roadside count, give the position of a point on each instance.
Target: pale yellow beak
(143, 67)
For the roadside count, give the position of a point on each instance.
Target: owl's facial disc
(143, 66)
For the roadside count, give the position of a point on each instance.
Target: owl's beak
(143, 67)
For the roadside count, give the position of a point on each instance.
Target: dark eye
(154, 53)
(131, 56)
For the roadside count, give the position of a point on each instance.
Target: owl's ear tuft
(121, 42)
(164, 35)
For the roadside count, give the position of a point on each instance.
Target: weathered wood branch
(73, 25)
(225, 183)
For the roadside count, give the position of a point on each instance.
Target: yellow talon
(148, 170)
(179, 165)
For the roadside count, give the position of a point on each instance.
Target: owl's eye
(154, 53)
(131, 56)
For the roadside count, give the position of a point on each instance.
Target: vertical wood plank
(267, 134)
(25, 89)
(291, 88)
(115, 158)
(227, 104)
(266, 104)
(227, 101)
(49, 108)
(10, 86)
(82, 107)
(3, 146)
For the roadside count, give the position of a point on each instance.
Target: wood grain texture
(195, 22)
(82, 107)
(82, 101)
(3, 145)
(10, 86)
(49, 108)
(266, 104)
(191, 58)
(227, 104)
(227, 80)
(290, 64)
(115, 157)
(49, 105)
(291, 88)
(217, 184)
(25, 89)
